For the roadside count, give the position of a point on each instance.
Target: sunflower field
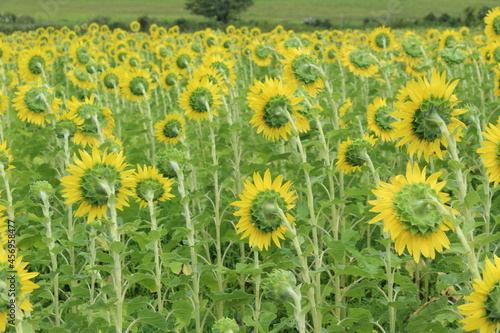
(249, 181)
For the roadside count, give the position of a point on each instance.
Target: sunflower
(453, 56)
(382, 39)
(200, 98)
(137, 85)
(302, 69)
(96, 179)
(331, 54)
(380, 119)
(8, 78)
(14, 276)
(412, 50)
(135, 26)
(4, 53)
(358, 60)
(171, 129)
(4, 103)
(94, 123)
(3, 228)
(262, 54)
(346, 106)
(80, 52)
(5, 158)
(184, 60)
(223, 65)
(274, 105)
(427, 107)
(412, 210)
(33, 65)
(492, 21)
(491, 52)
(259, 210)
(490, 153)
(352, 153)
(164, 50)
(483, 311)
(449, 38)
(111, 78)
(213, 75)
(34, 102)
(171, 78)
(150, 185)
(497, 81)
(67, 124)
(81, 78)
(415, 70)
(134, 60)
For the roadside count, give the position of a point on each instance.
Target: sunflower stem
(388, 255)
(117, 268)
(337, 218)
(462, 192)
(71, 225)
(10, 208)
(258, 280)
(299, 314)
(195, 276)
(486, 188)
(305, 273)
(217, 217)
(150, 124)
(235, 145)
(53, 258)
(156, 248)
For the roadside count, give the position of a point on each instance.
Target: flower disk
(412, 209)
(34, 102)
(302, 69)
(200, 98)
(492, 21)
(96, 179)
(274, 105)
(352, 153)
(424, 109)
(259, 208)
(483, 311)
(13, 272)
(380, 120)
(490, 153)
(151, 186)
(171, 129)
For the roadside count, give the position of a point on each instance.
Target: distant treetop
(222, 10)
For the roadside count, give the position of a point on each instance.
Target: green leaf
(455, 165)
(471, 199)
(352, 270)
(145, 280)
(307, 167)
(152, 318)
(175, 266)
(183, 313)
(117, 247)
(237, 297)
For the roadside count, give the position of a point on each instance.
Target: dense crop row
(247, 181)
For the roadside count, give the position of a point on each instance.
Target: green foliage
(222, 10)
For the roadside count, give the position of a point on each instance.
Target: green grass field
(337, 11)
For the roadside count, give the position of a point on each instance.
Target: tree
(222, 10)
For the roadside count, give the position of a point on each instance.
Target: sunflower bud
(225, 325)
(280, 285)
(453, 56)
(65, 128)
(41, 191)
(170, 161)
